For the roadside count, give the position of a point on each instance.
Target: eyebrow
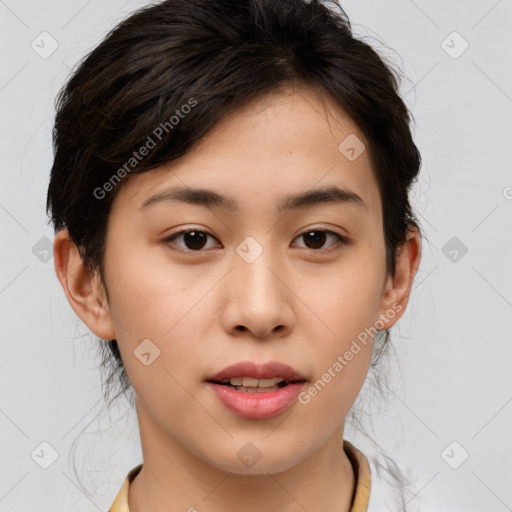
(211, 199)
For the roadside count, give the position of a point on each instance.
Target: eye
(315, 238)
(194, 239)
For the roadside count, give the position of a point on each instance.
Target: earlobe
(83, 290)
(397, 290)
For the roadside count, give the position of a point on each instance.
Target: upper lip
(258, 371)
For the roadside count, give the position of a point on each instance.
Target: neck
(173, 479)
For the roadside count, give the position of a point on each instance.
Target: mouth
(257, 391)
(255, 385)
(250, 377)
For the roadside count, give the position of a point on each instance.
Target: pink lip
(257, 405)
(258, 371)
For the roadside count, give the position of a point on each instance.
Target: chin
(249, 460)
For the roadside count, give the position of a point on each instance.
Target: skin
(192, 304)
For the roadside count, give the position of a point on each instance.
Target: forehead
(282, 143)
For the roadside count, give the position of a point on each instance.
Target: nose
(258, 298)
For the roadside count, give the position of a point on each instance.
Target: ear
(84, 291)
(397, 290)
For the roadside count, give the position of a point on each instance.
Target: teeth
(250, 382)
(268, 383)
(256, 390)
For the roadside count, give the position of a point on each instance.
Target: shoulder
(380, 484)
(120, 503)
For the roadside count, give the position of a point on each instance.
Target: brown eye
(193, 239)
(315, 239)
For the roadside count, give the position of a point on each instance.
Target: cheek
(346, 307)
(341, 358)
(162, 303)
(148, 296)
(154, 302)
(345, 300)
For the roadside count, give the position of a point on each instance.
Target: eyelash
(341, 240)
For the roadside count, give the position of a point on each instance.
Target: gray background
(451, 374)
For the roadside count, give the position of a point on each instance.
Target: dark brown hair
(220, 54)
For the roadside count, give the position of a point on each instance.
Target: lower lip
(257, 405)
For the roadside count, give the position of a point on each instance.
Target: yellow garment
(357, 458)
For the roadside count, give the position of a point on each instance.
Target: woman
(230, 199)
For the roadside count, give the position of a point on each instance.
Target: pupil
(195, 239)
(320, 237)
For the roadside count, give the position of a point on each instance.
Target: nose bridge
(260, 298)
(253, 272)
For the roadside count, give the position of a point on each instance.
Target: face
(259, 277)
